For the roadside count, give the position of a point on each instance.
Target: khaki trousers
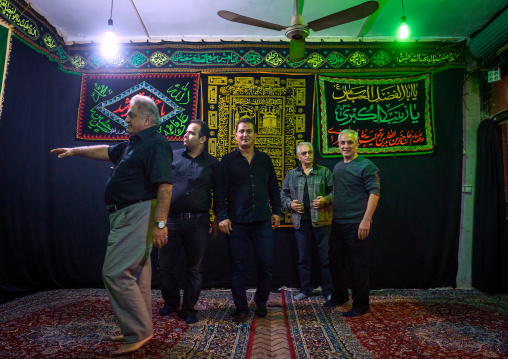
(127, 270)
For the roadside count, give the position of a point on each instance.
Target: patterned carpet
(78, 323)
(401, 324)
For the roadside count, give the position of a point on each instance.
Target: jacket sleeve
(285, 193)
(328, 176)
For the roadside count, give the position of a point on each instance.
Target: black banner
(105, 101)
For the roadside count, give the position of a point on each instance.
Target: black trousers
(349, 257)
(189, 235)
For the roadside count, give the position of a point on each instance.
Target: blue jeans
(306, 236)
(348, 253)
(259, 234)
(191, 235)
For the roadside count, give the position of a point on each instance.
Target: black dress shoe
(240, 317)
(331, 303)
(191, 319)
(165, 311)
(188, 318)
(352, 313)
(261, 311)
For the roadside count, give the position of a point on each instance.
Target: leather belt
(112, 208)
(187, 215)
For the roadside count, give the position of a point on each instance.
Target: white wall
(472, 118)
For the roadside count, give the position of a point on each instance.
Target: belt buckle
(186, 215)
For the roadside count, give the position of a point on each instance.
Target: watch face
(161, 224)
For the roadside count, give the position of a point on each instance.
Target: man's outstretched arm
(99, 152)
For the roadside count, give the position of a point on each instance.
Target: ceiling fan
(297, 32)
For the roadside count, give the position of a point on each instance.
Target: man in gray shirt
(356, 193)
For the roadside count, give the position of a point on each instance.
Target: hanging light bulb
(109, 40)
(403, 29)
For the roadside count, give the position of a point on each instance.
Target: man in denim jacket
(308, 192)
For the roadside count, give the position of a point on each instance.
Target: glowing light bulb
(403, 29)
(109, 42)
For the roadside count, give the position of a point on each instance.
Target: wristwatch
(160, 224)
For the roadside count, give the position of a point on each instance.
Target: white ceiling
(196, 20)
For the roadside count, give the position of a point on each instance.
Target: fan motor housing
(297, 32)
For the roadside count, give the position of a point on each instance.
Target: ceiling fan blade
(352, 14)
(231, 16)
(296, 50)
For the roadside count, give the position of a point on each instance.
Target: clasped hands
(297, 206)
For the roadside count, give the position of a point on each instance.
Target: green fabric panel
(4, 38)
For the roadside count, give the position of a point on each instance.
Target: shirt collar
(314, 168)
(144, 134)
(201, 155)
(239, 153)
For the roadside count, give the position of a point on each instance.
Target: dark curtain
(54, 225)
(490, 247)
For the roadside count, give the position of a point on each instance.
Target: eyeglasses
(305, 153)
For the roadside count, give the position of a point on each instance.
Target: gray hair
(146, 107)
(301, 144)
(349, 132)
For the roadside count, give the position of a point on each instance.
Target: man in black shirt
(194, 175)
(245, 183)
(138, 195)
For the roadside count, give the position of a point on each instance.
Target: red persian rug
(402, 324)
(77, 323)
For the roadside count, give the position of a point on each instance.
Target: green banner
(391, 116)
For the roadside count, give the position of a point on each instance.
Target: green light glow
(403, 29)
